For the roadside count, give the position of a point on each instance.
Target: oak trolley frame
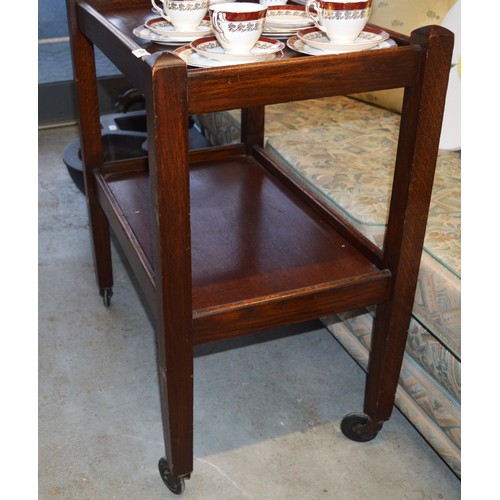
(222, 241)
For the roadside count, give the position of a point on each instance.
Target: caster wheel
(106, 294)
(174, 484)
(358, 427)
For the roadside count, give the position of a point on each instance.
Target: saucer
(295, 43)
(287, 17)
(367, 39)
(163, 27)
(279, 34)
(192, 58)
(146, 34)
(209, 47)
(212, 2)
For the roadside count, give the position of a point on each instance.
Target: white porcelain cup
(237, 26)
(341, 20)
(184, 15)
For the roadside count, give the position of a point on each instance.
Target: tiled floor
(267, 411)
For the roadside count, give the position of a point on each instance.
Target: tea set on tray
(215, 33)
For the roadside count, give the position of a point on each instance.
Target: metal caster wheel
(359, 427)
(174, 484)
(106, 294)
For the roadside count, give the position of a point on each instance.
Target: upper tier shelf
(253, 84)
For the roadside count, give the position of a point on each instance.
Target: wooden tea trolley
(221, 240)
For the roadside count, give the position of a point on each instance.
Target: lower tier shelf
(260, 256)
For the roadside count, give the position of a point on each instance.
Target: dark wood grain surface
(221, 241)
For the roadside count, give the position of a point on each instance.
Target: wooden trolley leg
(386, 357)
(175, 360)
(419, 134)
(252, 127)
(166, 103)
(92, 151)
(390, 327)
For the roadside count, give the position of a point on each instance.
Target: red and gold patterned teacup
(237, 26)
(341, 20)
(184, 15)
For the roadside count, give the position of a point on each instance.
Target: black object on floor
(124, 135)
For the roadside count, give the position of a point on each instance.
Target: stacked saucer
(283, 21)
(160, 31)
(208, 53)
(313, 41)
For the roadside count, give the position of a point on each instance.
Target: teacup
(237, 26)
(341, 20)
(184, 15)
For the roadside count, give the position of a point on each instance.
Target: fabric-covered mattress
(345, 149)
